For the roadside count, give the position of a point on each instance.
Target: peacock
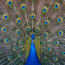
(32, 32)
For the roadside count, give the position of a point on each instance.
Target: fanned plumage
(20, 18)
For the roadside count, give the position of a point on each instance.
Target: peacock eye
(60, 33)
(6, 40)
(4, 29)
(59, 20)
(18, 32)
(32, 16)
(18, 21)
(49, 49)
(45, 35)
(46, 22)
(9, 3)
(56, 5)
(23, 7)
(5, 17)
(55, 58)
(45, 10)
